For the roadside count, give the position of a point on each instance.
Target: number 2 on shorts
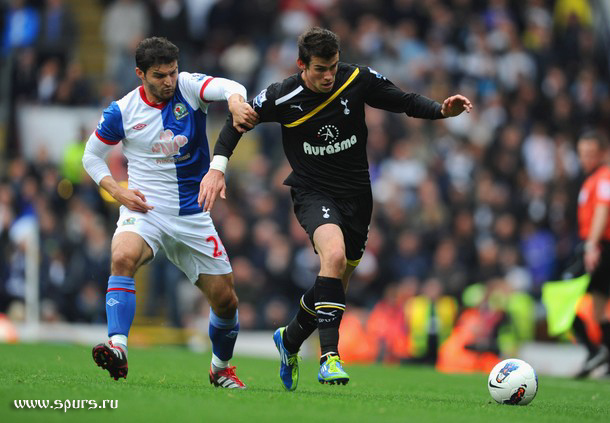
(217, 252)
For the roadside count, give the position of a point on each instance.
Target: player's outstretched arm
(244, 116)
(213, 183)
(455, 105)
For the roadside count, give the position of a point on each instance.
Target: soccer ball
(513, 382)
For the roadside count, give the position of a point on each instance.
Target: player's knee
(123, 263)
(226, 304)
(335, 259)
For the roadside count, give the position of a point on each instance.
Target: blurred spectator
(409, 259)
(469, 200)
(48, 80)
(240, 60)
(25, 75)
(197, 15)
(75, 88)
(124, 24)
(21, 26)
(58, 33)
(168, 18)
(447, 270)
(537, 245)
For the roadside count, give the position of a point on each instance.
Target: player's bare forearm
(110, 185)
(134, 200)
(592, 256)
(212, 184)
(244, 116)
(592, 248)
(455, 105)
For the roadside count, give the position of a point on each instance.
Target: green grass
(171, 384)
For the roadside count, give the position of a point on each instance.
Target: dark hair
(592, 135)
(317, 42)
(155, 51)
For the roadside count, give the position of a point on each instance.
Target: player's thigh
(132, 245)
(328, 239)
(357, 213)
(196, 248)
(135, 240)
(321, 219)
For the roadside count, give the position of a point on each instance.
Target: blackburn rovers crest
(180, 111)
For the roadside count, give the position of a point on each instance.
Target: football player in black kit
(321, 110)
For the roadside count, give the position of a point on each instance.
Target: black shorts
(352, 215)
(600, 278)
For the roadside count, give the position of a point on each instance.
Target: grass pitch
(171, 384)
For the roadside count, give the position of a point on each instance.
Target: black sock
(580, 332)
(302, 325)
(330, 305)
(606, 334)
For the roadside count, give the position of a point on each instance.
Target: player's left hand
(211, 185)
(455, 105)
(244, 116)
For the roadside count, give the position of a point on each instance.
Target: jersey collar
(145, 100)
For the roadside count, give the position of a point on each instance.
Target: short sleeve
(264, 103)
(110, 127)
(192, 86)
(603, 188)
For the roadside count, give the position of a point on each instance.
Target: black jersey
(325, 134)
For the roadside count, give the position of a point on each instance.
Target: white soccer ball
(513, 382)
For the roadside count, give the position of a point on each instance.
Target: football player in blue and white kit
(162, 125)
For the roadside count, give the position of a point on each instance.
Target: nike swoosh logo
(494, 386)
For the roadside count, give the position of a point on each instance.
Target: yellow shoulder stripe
(323, 105)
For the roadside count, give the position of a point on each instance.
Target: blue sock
(223, 334)
(120, 304)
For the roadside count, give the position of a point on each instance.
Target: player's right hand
(133, 199)
(592, 257)
(212, 183)
(244, 117)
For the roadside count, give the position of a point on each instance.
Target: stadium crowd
(487, 198)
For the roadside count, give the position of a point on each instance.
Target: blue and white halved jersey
(165, 144)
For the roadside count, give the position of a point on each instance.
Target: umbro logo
(139, 126)
(112, 302)
(327, 313)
